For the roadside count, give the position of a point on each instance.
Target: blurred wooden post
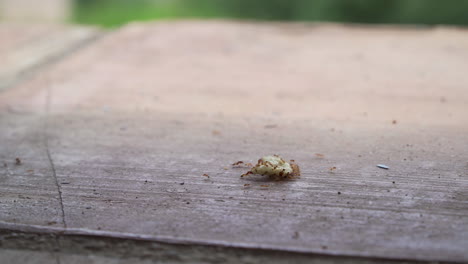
(34, 11)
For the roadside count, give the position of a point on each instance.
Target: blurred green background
(110, 13)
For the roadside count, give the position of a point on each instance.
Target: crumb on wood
(246, 185)
(394, 122)
(226, 168)
(18, 161)
(296, 170)
(216, 132)
(318, 155)
(275, 167)
(206, 175)
(265, 185)
(332, 169)
(382, 166)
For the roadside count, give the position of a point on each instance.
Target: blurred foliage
(117, 12)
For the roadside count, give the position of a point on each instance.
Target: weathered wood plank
(24, 47)
(49, 246)
(136, 120)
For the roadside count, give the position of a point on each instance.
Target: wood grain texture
(50, 246)
(133, 122)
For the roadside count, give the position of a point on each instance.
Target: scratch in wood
(49, 156)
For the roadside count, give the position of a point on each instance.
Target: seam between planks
(49, 156)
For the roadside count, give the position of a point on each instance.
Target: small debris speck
(17, 161)
(339, 192)
(265, 185)
(318, 155)
(206, 175)
(332, 169)
(216, 133)
(394, 122)
(385, 167)
(271, 126)
(393, 182)
(241, 164)
(246, 185)
(88, 207)
(295, 235)
(182, 183)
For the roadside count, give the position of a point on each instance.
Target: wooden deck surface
(25, 47)
(115, 137)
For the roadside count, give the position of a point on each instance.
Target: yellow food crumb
(275, 167)
(272, 165)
